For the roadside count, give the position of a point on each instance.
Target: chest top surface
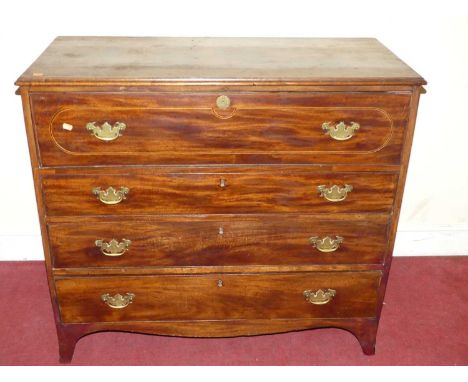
(71, 60)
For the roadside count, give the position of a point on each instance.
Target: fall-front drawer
(219, 240)
(278, 127)
(138, 192)
(214, 297)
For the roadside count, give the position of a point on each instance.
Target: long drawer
(219, 240)
(134, 192)
(215, 297)
(195, 128)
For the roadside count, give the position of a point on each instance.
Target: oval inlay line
(218, 152)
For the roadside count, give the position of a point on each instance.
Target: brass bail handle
(340, 131)
(334, 193)
(106, 132)
(111, 195)
(319, 297)
(118, 301)
(113, 248)
(326, 244)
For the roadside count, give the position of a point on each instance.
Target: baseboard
(408, 243)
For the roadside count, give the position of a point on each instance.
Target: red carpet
(424, 322)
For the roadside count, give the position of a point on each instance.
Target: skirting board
(408, 243)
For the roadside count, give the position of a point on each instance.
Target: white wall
(434, 42)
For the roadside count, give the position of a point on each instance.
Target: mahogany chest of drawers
(216, 187)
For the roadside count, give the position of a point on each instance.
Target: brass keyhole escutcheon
(220, 283)
(223, 102)
(222, 183)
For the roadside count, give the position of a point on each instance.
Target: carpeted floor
(424, 322)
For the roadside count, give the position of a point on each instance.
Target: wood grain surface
(207, 260)
(275, 192)
(189, 128)
(201, 297)
(219, 240)
(156, 59)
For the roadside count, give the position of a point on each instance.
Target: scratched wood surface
(156, 59)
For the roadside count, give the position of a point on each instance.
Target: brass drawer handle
(111, 195)
(340, 131)
(118, 301)
(320, 297)
(106, 132)
(327, 244)
(113, 248)
(334, 193)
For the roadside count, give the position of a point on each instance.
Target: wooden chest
(218, 186)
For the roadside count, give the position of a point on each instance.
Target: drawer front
(219, 240)
(93, 128)
(146, 193)
(217, 297)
